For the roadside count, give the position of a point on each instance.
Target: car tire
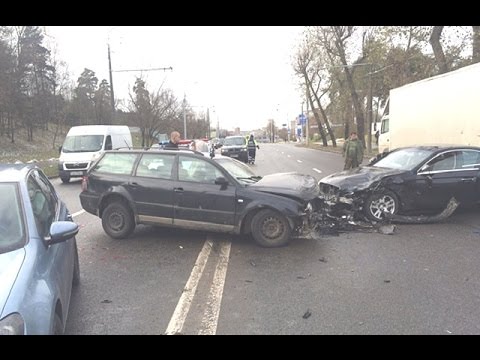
(57, 325)
(117, 220)
(270, 229)
(376, 204)
(76, 268)
(65, 180)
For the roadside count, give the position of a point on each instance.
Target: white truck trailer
(444, 109)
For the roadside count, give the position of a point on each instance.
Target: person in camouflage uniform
(352, 152)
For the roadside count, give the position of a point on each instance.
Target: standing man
(174, 140)
(352, 152)
(251, 148)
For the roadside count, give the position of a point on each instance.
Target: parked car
(191, 191)
(38, 253)
(235, 147)
(408, 180)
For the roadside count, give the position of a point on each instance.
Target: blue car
(38, 253)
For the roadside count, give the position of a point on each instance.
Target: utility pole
(208, 123)
(184, 103)
(306, 120)
(112, 97)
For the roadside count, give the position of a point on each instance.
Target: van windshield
(83, 143)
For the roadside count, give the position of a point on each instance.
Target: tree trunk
(325, 118)
(438, 49)
(312, 106)
(476, 44)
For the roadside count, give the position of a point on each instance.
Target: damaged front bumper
(331, 215)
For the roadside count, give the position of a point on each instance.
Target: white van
(84, 144)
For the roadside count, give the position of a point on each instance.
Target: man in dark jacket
(353, 152)
(174, 140)
(251, 148)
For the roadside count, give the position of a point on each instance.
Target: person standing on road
(252, 149)
(352, 152)
(174, 140)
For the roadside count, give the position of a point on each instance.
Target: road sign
(302, 119)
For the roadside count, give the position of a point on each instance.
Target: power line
(152, 69)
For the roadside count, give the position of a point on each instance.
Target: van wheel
(117, 220)
(270, 229)
(65, 179)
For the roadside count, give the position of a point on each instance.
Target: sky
(243, 75)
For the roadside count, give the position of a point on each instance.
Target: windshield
(12, 234)
(234, 141)
(83, 143)
(404, 159)
(238, 170)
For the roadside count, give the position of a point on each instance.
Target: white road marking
(318, 171)
(212, 311)
(300, 161)
(181, 311)
(78, 213)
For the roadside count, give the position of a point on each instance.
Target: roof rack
(158, 149)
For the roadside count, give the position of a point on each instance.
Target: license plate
(76, 173)
(234, 155)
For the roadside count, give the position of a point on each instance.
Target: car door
(199, 203)
(55, 262)
(446, 176)
(151, 188)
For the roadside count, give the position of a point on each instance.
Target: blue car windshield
(12, 232)
(404, 159)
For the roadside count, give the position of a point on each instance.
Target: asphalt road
(422, 280)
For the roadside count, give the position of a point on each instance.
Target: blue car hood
(291, 184)
(359, 178)
(10, 265)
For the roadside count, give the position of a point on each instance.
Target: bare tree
(438, 49)
(152, 112)
(476, 44)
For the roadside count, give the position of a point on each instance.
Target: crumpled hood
(293, 184)
(359, 178)
(10, 265)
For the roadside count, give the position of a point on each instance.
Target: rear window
(116, 163)
(12, 231)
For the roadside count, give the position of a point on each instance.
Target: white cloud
(245, 73)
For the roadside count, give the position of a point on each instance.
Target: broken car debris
(332, 218)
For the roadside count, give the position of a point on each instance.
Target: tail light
(84, 183)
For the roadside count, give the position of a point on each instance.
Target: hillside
(41, 150)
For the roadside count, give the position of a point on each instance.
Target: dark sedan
(418, 179)
(184, 189)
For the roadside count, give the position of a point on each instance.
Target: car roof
(156, 150)
(14, 172)
(440, 147)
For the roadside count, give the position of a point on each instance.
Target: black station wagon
(184, 189)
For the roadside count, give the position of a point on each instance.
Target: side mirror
(60, 149)
(221, 181)
(62, 231)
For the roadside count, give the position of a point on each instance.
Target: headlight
(12, 325)
(243, 149)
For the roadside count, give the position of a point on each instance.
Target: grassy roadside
(42, 151)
